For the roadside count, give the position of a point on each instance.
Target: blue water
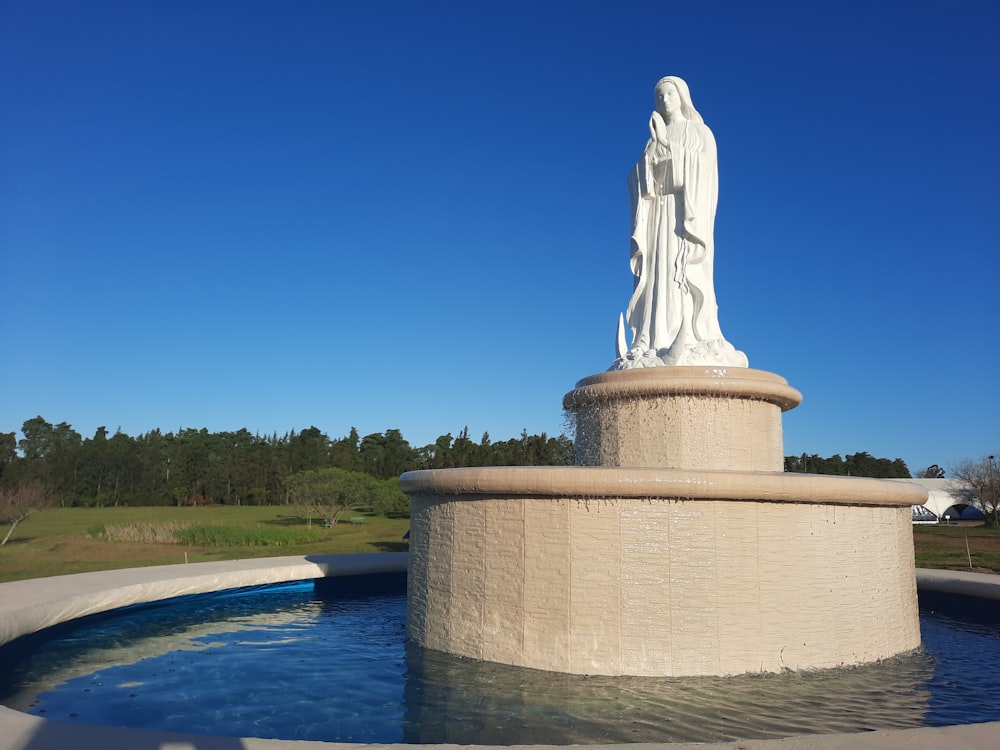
(296, 662)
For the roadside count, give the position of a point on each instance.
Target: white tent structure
(945, 497)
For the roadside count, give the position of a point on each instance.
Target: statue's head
(661, 96)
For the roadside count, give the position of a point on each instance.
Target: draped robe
(674, 191)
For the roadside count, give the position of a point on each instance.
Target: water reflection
(454, 700)
(294, 663)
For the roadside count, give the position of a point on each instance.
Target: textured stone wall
(681, 418)
(662, 587)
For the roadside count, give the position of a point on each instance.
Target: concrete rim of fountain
(731, 382)
(585, 482)
(31, 605)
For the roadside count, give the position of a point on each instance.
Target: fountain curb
(597, 482)
(728, 382)
(27, 606)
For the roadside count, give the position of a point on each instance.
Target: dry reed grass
(157, 532)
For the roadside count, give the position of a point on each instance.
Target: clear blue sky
(414, 215)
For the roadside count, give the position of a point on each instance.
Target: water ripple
(285, 661)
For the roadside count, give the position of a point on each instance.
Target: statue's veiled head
(680, 85)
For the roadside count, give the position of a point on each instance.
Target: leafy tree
(190, 464)
(344, 452)
(390, 500)
(331, 492)
(978, 480)
(310, 449)
(152, 466)
(8, 450)
(52, 454)
(931, 472)
(37, 443)
(463, 451)
(123, 466)
(386, 456)
(563, 451)
(238, 454)
(438, 454)
(95, 465)
(485, 451)
(257, 496)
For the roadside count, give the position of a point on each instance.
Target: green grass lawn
(69, 540)
(945, 547)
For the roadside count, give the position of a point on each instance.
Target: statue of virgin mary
(674, 187)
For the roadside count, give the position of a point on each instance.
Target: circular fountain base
(658, 572)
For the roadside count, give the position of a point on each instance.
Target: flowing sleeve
(641, 188)
(696, 171)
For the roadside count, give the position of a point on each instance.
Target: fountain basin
(19, 731)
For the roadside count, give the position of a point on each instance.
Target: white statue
(674, 188)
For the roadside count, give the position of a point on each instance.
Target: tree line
(853, 465)
(194, 466)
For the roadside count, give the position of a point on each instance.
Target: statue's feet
(637, 358)
(717, 352)
(712, 352)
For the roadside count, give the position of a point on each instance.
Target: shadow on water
(55, 735)
(391, 546)
(961, 608)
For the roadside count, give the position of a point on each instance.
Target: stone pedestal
(681, 418)
(663, 560)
